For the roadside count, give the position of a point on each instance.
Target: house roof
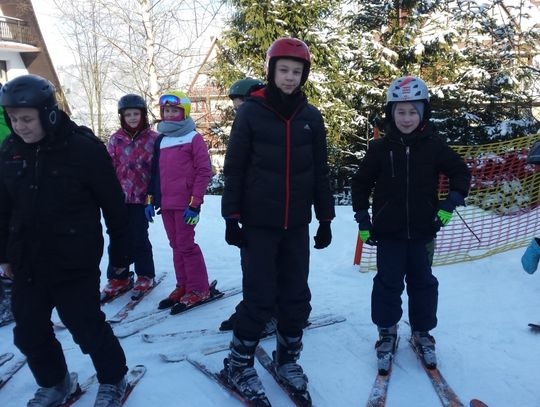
(34, 55)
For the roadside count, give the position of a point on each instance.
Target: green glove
(444, 217)
(364, 235)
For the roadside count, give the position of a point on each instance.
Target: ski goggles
(172, 100)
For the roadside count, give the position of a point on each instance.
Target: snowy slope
(484, 346)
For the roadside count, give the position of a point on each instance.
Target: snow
(484, 346)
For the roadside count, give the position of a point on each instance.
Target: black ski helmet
(35, 92)
(132, 101)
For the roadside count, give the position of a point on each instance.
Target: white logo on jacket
(173, 141)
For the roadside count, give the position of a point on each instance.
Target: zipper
(287, 170)
(407, 155)
(392, 163)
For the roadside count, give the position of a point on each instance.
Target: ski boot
(240, 374)
(288, 371)
(386, 348)
(111, 395)
(115, 287)
(56, 395)
(173, 297)
(190, 300)
(142, 285)
(424, 344)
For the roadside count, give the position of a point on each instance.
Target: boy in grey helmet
(401, 172)
(55, 180)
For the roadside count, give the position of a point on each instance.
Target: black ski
(447, 396)
(535, 327)
(11, 369)
(139, 324)
(379, 390)
(5, 357)
(316, 322)
(219, 379)
(300, 399)
(123, 312)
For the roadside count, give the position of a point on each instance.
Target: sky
(48, 23)
(484, 346)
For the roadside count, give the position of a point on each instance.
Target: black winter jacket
(51, 194)
(276, 169)
(403, 174)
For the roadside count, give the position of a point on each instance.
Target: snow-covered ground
(484, 346)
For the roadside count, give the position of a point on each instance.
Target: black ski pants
(78, 305)
(143, 258)
(275, 265)
(409, 260)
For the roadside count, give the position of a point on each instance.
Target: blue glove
(149, 212)
(530, 258)
(191, 215)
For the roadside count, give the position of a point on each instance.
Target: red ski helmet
(292, 48)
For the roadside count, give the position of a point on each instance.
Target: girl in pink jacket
(131, 149)
(181, 171)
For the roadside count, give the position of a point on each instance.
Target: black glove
(233, 233)
(363, 219)
(323, 238)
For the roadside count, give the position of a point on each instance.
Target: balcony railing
(15, 30)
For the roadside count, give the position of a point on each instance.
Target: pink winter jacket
(132, 160)
(184, 170)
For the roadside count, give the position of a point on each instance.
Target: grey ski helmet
(407, 89)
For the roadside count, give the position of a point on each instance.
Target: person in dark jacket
(275, 170)
(402, 170)
(238, 92)
(55, 178)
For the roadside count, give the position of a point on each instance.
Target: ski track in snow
(484, 346)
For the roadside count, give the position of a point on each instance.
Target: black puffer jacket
(276, 169)
(403, 173)
(51, 194)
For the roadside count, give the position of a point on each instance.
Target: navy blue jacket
(402, 172)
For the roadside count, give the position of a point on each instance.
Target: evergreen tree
(475, 58)
(253, 27)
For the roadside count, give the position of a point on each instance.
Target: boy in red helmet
(275, 170)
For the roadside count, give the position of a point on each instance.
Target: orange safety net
(503, 206)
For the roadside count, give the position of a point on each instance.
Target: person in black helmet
(131, 148)
(276, 172)
(55, 178)
(241, 89)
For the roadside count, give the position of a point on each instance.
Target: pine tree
(253, 27)
(476, 60)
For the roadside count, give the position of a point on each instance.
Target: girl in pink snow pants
(181, 171)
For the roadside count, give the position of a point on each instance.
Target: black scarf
(284, 104)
